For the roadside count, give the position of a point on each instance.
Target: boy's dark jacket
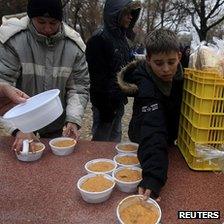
(154, 122)
(107, 52)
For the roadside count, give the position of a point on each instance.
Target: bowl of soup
(95, 188)
(127, 147)
(100, 166)
(127, 179)
(127, 160)
(133, 210)
(34, 155)
(62, 146)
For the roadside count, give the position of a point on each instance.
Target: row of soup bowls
(126, 179)
(61, 146)
(104, 170)
(108, 169)
(98, 184)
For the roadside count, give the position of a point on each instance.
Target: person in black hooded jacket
(156, 84)
(107, 52)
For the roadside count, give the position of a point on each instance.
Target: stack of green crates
(202, 116)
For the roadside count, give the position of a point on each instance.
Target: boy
(156, 84)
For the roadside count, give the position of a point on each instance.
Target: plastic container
(62, 151)
(126, 186)
(202, 116)
(95, 197)
(126, 155)
(109, 172)
(132, 200)
(197, 163)
(31, 156)
(37, 112)
(127, 147)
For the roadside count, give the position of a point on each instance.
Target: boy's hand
(147, 193)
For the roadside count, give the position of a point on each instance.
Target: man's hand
(146, 193)
(71, 130)
(14, 94)
(20, 137)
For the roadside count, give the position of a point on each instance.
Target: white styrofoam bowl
(37, 112)
(120, 150)
(31, 156)
(125, 165)
(95, 197)
(62, 151)
(100, 160)
(132, 199)
(126, 186)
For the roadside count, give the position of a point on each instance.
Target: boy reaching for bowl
(156, 84)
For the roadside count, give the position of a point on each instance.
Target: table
(45, 191)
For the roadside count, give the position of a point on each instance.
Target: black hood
(113, 10)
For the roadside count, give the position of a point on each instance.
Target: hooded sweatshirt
(106, 53)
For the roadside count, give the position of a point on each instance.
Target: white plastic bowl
(37, 112)
(62, 151)
(31, 156)
(95, 197)
(109, 172)
(126, 165)
(126, 186)
(132, 199)
(120, 150)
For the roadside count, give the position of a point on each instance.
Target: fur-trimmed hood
(137, 70)
(126, 87)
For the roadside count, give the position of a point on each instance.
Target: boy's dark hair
(161, 41)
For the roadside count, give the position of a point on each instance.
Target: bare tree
(163, 13)
(84, 15)
(205, 14)
(9, 7)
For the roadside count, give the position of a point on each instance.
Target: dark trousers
(107, 131)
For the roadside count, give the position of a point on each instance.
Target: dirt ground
(87, 122)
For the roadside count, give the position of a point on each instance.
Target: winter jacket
(107, 52)
(154, 122)
(34, 63)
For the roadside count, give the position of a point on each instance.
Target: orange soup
(63, 143)
(37, 147)
(127, 160)
(128, 147)
(139, 213)
(97, 184)
(128, 175)
(101, 166)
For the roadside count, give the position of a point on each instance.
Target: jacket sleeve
(103, 93)
(77, 88)
(9, 73)
(152, 152)
(98, 53)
